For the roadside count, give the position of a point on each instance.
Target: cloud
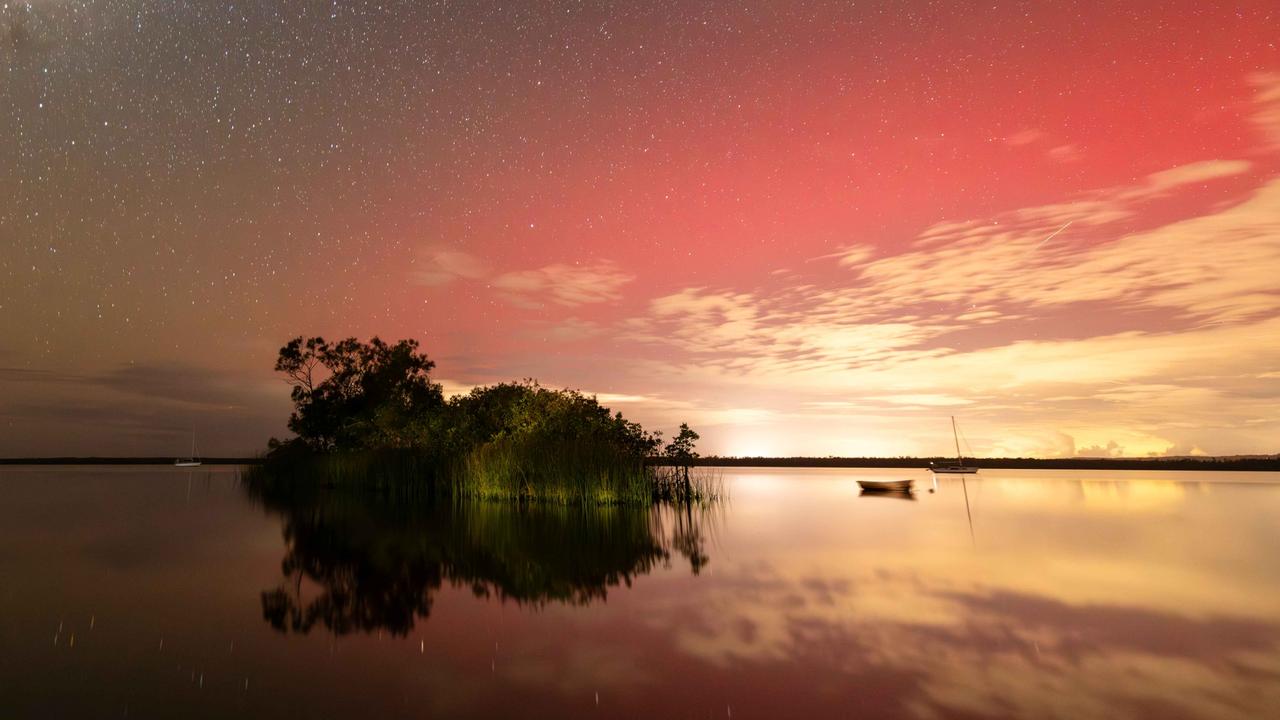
(1069, 153)
(565, 284)
(451, 388)
(1151, 339)
(137, 410)
(1025, 137)
(1111, 449)
(1194, 173)
(438, 266)
(1266, 114)
(1005, 265)
(574, 329)
(172, 383)
(180, 383)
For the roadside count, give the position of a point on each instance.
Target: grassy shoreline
(508, 470)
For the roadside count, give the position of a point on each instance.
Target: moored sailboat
(959, 468)
(193, 460)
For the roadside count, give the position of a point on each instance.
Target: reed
(566, 472)
(399, 473)
(576, 472)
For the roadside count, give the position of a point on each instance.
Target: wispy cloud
(439, 266)
(565, 284)
(1025, 137)
(901, 335)
(1266, 114)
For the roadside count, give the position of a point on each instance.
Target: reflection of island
(360, 564)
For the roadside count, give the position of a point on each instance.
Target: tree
(528, 410)
(680, 449)
(681, 446)
(350, 395)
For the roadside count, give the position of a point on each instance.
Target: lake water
(152, 592)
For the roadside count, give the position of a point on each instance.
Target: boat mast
(956, 435)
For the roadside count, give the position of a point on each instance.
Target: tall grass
(519, 469)
(402, 474)
(567, 472)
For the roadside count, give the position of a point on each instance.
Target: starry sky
(803, 227)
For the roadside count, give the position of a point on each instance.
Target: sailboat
(959, 468)
(193, 460)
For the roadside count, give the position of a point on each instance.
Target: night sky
(803, 227)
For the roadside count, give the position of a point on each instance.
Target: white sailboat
(193, 460)
(959, 468)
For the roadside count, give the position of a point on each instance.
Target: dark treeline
(1257, 464)
(124, 461)
(368, 414)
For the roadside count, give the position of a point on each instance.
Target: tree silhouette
(350, 395)
(680, 450)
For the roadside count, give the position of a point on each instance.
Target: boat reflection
(355, 563)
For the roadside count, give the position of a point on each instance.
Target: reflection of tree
(688, 540)
(360, 564)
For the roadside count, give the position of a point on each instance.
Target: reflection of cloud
(983, 652)
(580, 669)
(1135, 495)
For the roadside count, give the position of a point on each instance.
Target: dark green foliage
(680, 449)
(350, 395)
(368, 415)
(528, 410)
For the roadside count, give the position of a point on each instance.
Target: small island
(368, 416)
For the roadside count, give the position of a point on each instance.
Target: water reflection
(1086, 595)
(1082, 597)
(356, 563)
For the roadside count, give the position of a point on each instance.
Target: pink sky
(805, 229)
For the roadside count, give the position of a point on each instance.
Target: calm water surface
(148, 592)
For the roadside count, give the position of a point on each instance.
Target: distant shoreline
(1270, 463)
(123, 461)
(1241, 464)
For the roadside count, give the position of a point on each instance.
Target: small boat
(885, 486)
(889, 495)
(959, 468)
(193, 460)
